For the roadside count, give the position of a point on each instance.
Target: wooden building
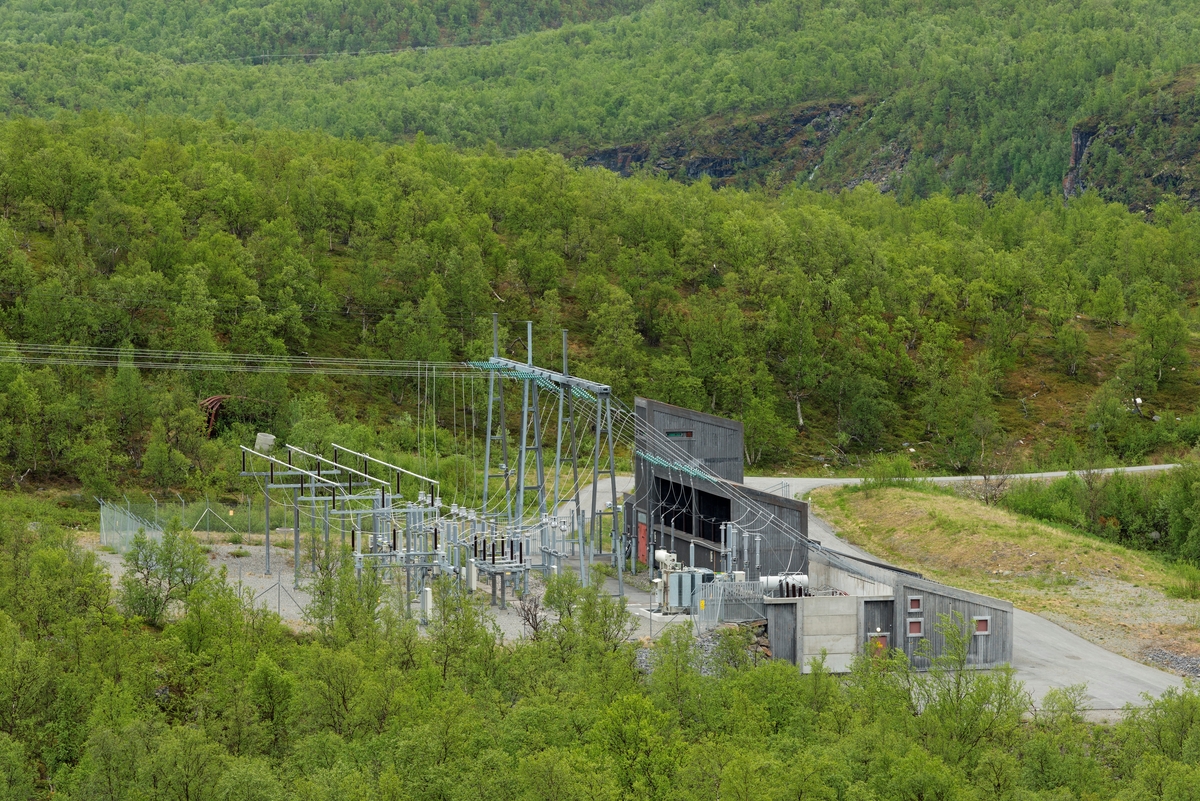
(701, 514)
(690, 500)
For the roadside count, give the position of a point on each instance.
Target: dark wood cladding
(781, 631)
(691, 508)
(715, 441)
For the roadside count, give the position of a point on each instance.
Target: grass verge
(1123, 599)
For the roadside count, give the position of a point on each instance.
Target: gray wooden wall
(987, 650)
(779, 551)
(716, 441)
(718, 444)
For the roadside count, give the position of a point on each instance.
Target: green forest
(833, 326)
(223, 702)
(890, 237)
(971, 96)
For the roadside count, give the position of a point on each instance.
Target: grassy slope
(1106, 593)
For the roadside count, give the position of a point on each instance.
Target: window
(679, 434)
(914, 603)
(983, 626)
(916, 627)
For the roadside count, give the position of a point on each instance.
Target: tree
(162, 464)
(964, 710)
(461, 636)
(1164, 335)
(1108, 304)
(16, 776)
(249, 779)
(186, 766)
(272, 690)
(160, 573)
(638, 739)
(1070, 346)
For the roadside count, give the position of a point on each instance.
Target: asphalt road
(1045, 655)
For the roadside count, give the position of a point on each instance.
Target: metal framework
(522, 524)
(526, 513)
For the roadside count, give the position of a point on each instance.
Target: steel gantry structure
(523, 509)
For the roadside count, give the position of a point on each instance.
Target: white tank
(664, 558)
(772, 583)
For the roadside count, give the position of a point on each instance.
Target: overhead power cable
(147, 359)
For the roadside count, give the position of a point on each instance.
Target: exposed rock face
(1081, 137)
(788, 144)
(1139, 155)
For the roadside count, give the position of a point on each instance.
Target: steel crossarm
(388, 465)
(317, 478)
(551, 375)
(334, 462)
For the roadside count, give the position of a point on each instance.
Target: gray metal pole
(267, 540)
(612, 485)
(487, 443)
(563, 392)
(579, 528)
(527, 386)
(724, 548)
(296, 539)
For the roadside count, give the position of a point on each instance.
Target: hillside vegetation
(832, 326)
(257, 30)
(974, 96)
(172, 686)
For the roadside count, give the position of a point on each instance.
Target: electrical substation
(540, 495)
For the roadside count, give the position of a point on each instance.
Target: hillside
(258, 30)
(972, 336)
(971, 96)
(1144, 152)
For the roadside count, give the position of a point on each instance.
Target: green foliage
(889, 471)
(1156, 511)
(223, 703)
(161, 573)
(1187, 583)
(977, 95)
(257, 29)
(874, 322)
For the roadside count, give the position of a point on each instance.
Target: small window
(914, 603)
(916, 627)
(679, 434)
(983, 626)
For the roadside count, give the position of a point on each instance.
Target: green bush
(1186, 582)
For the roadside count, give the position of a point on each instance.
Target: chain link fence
(119, 525)
(120, 521)
(727, 602)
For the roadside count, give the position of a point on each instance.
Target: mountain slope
(832, 326)
(974, 96)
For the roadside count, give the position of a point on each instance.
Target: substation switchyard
(533, 515)
(549, 501)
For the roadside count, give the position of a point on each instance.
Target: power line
(149, 359)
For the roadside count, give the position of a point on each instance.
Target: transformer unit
(682, 586)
